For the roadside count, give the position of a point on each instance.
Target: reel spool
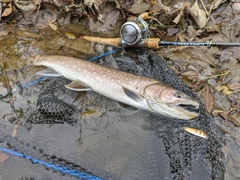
(135, 32)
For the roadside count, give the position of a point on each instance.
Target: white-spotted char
(138, 91)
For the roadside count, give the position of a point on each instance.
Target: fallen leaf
(178, 17)
(208, 98)
(191, 33)
(225, 89)
(216, 3)
(235, 118)
(138, 8)
(94, 5)
(110, 18)
(235, 86)
(190, 74)
(7, 11)
(25, 5)
(236, 8)
(232, 115)
(3, 157)
(198, 15)
(53, 26)
(70, 35)
(172, 31)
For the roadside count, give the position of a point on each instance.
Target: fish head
(171, 102)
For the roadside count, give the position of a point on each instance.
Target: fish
(131, 89)
(196, 132)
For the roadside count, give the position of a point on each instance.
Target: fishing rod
(135, 33)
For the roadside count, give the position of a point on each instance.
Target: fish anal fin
(133, 95)
(48, 72)
(78, 85)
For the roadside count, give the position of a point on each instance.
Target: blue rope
(34, 82)
(102, 55)
(56, 167)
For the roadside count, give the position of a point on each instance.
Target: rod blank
(208, 44)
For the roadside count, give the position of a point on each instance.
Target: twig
(0, 10)
(204, 7)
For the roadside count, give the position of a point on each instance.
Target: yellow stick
(196, 132)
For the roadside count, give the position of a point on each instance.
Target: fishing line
(34, 82)
(57, 167)
(102, 55)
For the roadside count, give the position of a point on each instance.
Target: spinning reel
(134, 32)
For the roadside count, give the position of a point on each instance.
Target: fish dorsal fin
(78, 85)
(48, 72)
(133, 95)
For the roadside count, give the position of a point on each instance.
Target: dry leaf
(177, 19)
(235, 86)
(191, 75)
(7, 11)
(94, 5)
(216, 3)
(3, 157)
(208, 98)
(172, 31)
(226, 90)
(138, 8)
(229, 115)
(53, 26)
(70, 35)
(234, 118)
(198, 15)
(109, 16)
(21, 4)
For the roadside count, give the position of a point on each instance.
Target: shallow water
(110, 140)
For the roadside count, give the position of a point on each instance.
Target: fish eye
(178, 95)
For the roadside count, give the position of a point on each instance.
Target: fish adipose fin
(133, 95)
(48, 72)
(78, 85)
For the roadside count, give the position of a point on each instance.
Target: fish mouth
(189, 107)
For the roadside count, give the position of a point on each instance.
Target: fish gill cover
(112, 142)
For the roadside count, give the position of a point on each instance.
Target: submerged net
(93, 134)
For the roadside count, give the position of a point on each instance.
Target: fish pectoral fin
(135, 96)
(126, 106)
(48, 72)
(78, 85)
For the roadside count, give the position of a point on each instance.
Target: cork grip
(111, 41)
(152, 43)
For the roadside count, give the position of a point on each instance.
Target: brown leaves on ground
(208, 98)
(198, 15)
